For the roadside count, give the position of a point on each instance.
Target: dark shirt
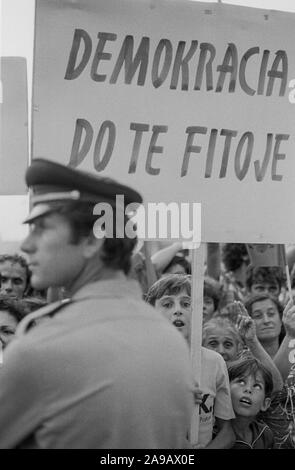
(262, 438)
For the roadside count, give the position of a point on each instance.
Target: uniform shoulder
(37, 316)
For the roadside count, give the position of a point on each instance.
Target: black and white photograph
(147, 235)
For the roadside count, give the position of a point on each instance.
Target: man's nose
(220, 349)
(178, 313)
(7, 286)
(27, 244)
(266, 318)
(248, 389)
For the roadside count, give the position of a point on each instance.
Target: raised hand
(289, 318)
(245, 324)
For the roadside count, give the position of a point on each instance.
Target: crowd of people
(96, 335)
(249, 319)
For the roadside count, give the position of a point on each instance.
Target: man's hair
(172, 284)
(262, 274)
(116, 252)
(17, 259)
(234, 255)
(221, 322)
(212, 289)
(182, 261)
(252, 298)
(250, 366)
(17, 308)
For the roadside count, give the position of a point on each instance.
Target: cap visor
(38, 211)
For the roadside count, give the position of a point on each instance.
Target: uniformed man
(100, 369)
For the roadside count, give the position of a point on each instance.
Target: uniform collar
(119, 286)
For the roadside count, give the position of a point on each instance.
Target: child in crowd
(171, 296)
(251, 388)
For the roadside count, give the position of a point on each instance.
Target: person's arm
(162, 258)
(213, 260)
(225, 438)
(247, 330)
(285, 357)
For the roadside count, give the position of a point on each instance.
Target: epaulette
(32, 318)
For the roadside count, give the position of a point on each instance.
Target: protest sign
(184, 101)
(267, 255)
(13, 125)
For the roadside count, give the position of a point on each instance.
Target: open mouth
(246, 401)
(178, 323)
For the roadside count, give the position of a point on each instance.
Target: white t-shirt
(216, 394)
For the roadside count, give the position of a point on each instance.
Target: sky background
(17, 37)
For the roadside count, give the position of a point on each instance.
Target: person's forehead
(255, 376)
(263, 305)
(220, 335)
(176, 296)
(266, 283)
(12, 269)
(258, 376)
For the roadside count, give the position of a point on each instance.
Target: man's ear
(265, 405)
(91, 245)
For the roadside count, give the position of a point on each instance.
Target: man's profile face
(13, 278)
(53, 260)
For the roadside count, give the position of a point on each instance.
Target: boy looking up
(171, 296)
(251, 387)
